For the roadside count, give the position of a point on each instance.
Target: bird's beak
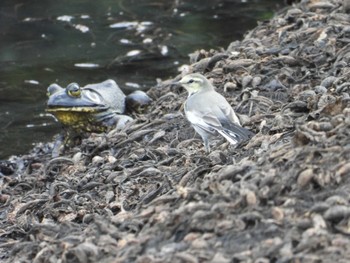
(176, 83)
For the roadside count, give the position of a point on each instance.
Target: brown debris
(150, 193)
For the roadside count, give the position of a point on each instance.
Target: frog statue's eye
(53, 88)
(73, 90)
(190, 81)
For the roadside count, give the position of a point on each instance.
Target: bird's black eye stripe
(191, 81)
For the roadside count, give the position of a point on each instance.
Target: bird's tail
(236, 134)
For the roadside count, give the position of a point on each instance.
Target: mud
(150, 193)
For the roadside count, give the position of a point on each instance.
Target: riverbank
(151, 194)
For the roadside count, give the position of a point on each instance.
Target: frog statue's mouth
(89, 109)
(77, 109)
(84, 119)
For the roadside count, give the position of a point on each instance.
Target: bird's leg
(206, 144)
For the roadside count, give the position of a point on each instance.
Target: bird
(210, 113)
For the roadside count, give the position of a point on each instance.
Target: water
(131, 41)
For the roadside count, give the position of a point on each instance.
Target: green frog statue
(94, 108)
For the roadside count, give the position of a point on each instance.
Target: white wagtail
(210, 113)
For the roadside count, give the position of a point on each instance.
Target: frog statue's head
(90, 108)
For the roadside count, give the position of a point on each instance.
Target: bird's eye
(74, 90)
(190, 81)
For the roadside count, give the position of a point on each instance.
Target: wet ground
(132, 42)
(150, 193)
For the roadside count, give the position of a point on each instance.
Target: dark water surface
(131, 41)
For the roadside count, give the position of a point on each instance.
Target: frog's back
(109, 90)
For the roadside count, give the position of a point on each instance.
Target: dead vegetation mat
(150, 193)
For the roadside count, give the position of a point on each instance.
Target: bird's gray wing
(215, 114)
(228, 112)
(218, 120)
(229, 121)
(202, 121)
(235, 131)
